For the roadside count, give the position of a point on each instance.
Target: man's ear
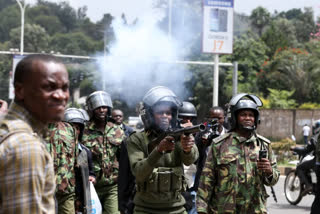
(19, 91)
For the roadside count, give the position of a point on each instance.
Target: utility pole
(215, 80)
(22, 6)
(170, 19)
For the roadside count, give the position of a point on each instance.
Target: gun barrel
(189, 130)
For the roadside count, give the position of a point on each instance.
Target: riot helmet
(96, 100)
(241, 102)
(316, 127)
(85, 114)
(154, 97)
(187, 110)
(75, 116)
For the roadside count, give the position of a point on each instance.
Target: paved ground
(283, 206)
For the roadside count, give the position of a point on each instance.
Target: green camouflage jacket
(104, 147)
(159, 177)
(63, 147)
(230, 181)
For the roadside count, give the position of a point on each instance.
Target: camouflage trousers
(66, 204)
(108, 196)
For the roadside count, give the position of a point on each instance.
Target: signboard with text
(217, 35)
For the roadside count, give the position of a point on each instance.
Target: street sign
(217, 35)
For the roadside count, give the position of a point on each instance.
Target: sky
(134, 9)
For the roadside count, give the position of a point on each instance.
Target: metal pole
(104, 60)
(169, 19)
(235, 79)
(22, 6)
(216, 80)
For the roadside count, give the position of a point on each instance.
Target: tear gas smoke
(139, 59)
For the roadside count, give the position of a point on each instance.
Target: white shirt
(306, 130)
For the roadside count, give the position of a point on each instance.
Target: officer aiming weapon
(176, 134)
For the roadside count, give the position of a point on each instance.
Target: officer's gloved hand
(166, 145)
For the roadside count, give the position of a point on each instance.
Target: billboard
(217, 35)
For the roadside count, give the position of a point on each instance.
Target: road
(283, 206)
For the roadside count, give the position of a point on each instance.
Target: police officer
(187, 116)
(316, 139)
(234, 175)
(65, 148)
(83, 168)
(103, 138)
(157, 163)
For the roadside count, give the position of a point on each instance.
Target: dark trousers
(305, 139)
(316, 203)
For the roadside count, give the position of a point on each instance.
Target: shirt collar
(240, 139)
(18, 111)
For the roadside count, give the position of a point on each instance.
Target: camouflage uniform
(105, 147)
(63, 147)
(230, 181)
(159, 177)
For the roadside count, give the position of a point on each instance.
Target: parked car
(135, 122)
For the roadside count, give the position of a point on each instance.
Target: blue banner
(219, 3)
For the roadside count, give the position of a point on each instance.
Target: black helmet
(316, 127)
(187, 110)
(74, 115)
(244, 101)
(98, 99)
(85, 114)
(155, 96)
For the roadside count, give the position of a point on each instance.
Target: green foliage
(35, 38)
(279, 34)
(282, 149)
(291, 69)
(9, 19)
(73, 43)
(281, 99)
(250, 52)
(259, 18)
(309, 106)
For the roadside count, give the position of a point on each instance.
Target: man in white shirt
(306, 131)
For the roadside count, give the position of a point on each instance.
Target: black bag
(188, 197)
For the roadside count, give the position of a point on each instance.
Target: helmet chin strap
(247, 128)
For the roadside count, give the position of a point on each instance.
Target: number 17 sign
(217, 26)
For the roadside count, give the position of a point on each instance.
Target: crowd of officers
(49, 155)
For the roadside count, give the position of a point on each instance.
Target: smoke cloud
(141, 58)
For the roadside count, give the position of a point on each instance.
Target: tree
(74, 43)
(66, 14)
(250, 53)
(304, 25)
(9, 18)
(35, 38)
(279, 34)
(292, 70)
(51, 24)
(281, 99)
(260, 17)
